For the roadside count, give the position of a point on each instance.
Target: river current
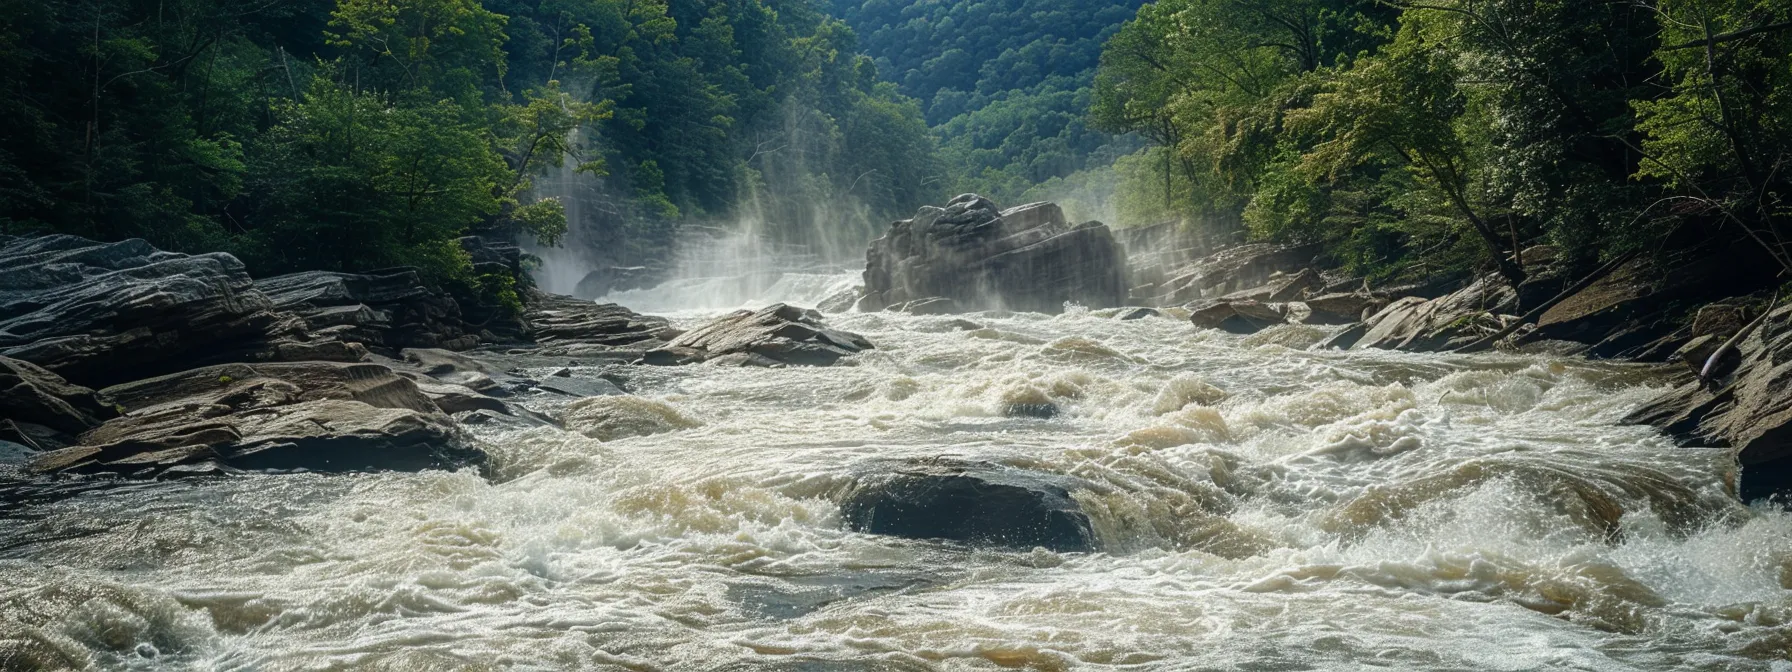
(1260, 506)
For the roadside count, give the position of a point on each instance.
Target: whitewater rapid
(1260, 507)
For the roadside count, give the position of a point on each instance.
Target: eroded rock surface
(103, 313)
(774, 335)
(563, 325)
(387, 310)
(1023, 258)
(317, 416)
(1749, 410)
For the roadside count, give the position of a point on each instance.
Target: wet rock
(317, 416)
(1139, 314)
(782, 333)
(973, 502)
(1236, 268)
(1640, 311)
(565, 325)
(1241, 316)
(1344, 339)
(1023, 258)
(841, 301)
(1749, 410)
(385, 310)
(1283, 288)
(31, 394)
(1341, 308)
(103, 313)
(1455, 319)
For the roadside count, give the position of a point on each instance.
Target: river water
(1260, 507)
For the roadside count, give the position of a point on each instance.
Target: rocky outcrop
(1234, 269)
(43, 411)
(386, 310)
(104, 313)
(1023, 258)
(1242, 316)
(973, 502)
(563, 325)
(778, 334)
(1749, 409)
(317, 416)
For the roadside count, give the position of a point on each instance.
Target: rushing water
(1261, 507)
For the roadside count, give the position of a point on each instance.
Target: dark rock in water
(1341, 308)
(317, 416)
(1023, 258)
(781, 333)
(387, 310)
(606, 279)
(841, 301)
(1344, 339)
(1283, 288)
(103, 313)
(565, 325)
(973, 502)
(1453, 320)
(1237, 316)
(31, 394)
(1749, 410)
(1139, 314)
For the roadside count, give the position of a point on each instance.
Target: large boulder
(1641, 311)
(1241, 316)
(973, 502)
(387, 310)
(1023, 258)
(1749, 410)
(775, 334)
(103, 313)
(1450, 321)
(316, 416)
(30, 393)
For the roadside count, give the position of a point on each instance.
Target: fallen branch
(1487, 341)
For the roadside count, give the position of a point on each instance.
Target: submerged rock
(973, 502)
(1023, 258)
(841, 301)
(1749, 410)
(104, 313)
(781, 333)
(618, 417)
(317, 416)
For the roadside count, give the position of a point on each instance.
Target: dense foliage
(1458, 132)
(1005, 83)
(354, 134)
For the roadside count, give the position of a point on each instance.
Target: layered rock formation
(318, 416)
(562, 325)
(1748, 409)
(1023, 258)
(385, 310)
(778, 334)
(103, 313)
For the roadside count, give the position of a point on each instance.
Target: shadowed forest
(1402, 137)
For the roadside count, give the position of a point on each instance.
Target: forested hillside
(1005, 83)
(355, 134)
(1458, 133)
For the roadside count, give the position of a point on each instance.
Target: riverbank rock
(1023, 258)
(973, 502)
(103, 313)
(316, 416)
(1240, 268)
(775, 334)
(385, 310)
(1642, 310)
(1749, 410)
(42, 411)
(563, 325)
(1241, 316)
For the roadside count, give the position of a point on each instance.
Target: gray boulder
(1023, 258)
(1235, 269)
(973, 502)
(565, 325)
(316, 416)
(1240, 316)
(779, 333)
(30, 393)
(103, 313)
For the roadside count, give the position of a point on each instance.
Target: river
(1260, 507)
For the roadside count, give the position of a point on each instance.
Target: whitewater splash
(1260, 507)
